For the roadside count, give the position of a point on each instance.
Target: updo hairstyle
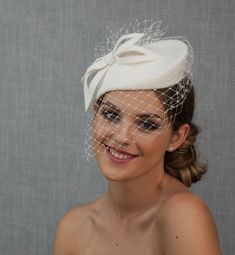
(183, 163)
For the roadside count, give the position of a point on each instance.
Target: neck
(133, 197)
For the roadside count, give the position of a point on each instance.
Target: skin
(144, 210)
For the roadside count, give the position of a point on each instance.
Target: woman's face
(131, 134)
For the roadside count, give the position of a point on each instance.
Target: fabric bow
(125, 52)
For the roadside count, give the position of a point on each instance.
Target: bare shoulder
(73, 218)
(69, 230)
(188, 226)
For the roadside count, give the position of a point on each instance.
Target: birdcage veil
(136, 86)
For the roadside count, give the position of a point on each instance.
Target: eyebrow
(141, 115)
(149, 115)
(111, 105)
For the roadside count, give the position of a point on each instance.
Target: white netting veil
(135, 88)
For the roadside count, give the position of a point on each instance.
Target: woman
(143, 139)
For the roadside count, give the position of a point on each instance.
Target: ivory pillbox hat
(130, 66)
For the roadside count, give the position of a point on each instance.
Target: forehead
(139, 100)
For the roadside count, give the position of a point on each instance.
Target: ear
(178, 137)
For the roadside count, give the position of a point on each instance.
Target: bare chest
(116, 240)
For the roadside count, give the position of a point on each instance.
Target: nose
(123, 133)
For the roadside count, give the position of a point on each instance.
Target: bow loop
(126, 41)
(125, 52)
(109, 59)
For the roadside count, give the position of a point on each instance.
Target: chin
(116, 170)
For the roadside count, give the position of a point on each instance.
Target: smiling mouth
(119, 154)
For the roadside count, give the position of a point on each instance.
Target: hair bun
(183, 163)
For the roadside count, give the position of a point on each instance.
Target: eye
(110, 115)
(148, 125)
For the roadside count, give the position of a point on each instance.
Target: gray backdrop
(45, 47)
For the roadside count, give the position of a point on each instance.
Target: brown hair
(183, 163)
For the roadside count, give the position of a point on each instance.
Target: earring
(171, 148)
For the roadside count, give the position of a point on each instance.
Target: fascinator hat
(141, 59)
(138, 57)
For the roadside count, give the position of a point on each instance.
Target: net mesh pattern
(120, 119)
(152, 33)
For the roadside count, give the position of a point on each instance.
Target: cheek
(155, 147)
(101, 131)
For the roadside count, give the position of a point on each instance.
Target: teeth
(119, 155)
